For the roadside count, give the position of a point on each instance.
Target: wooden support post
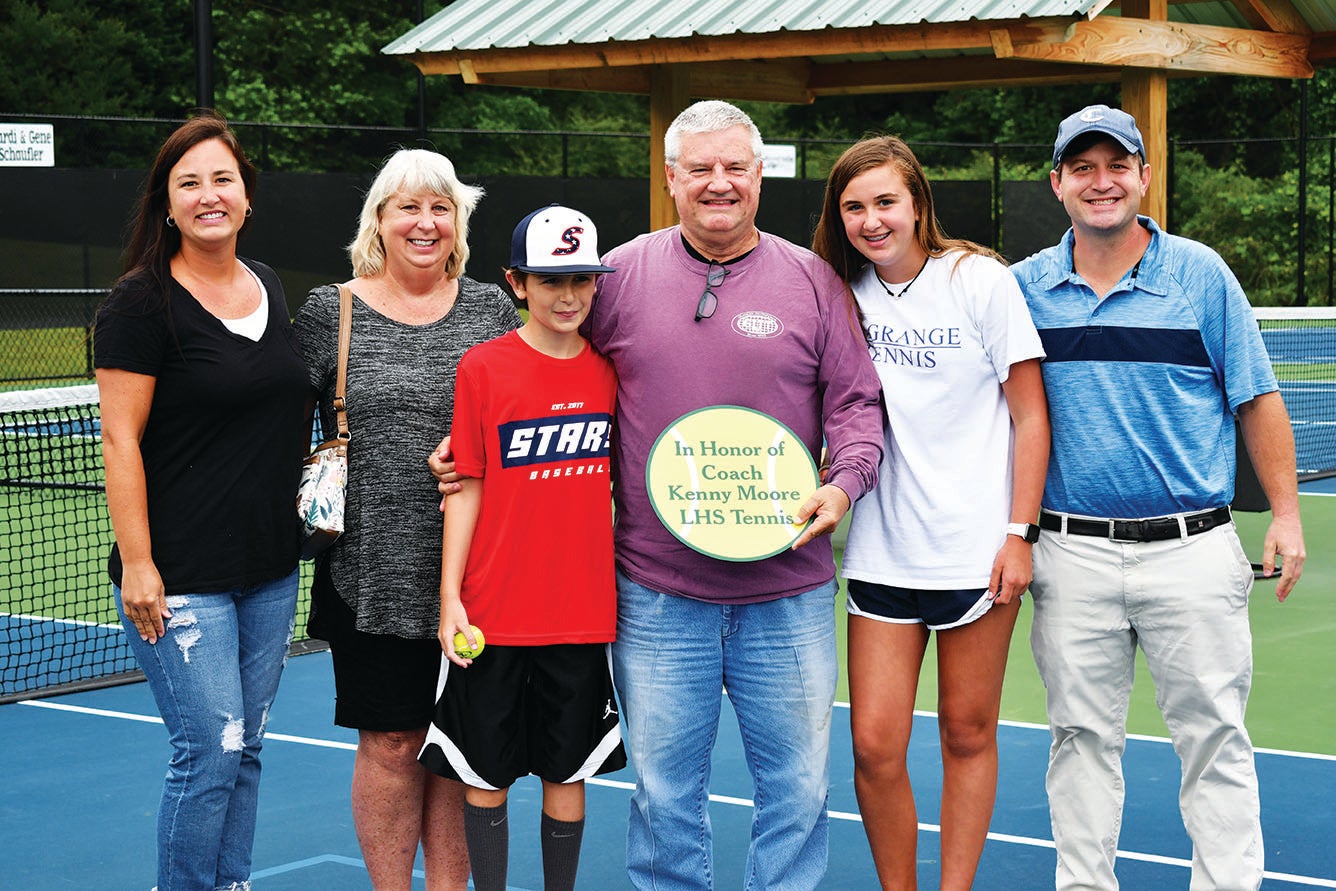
(1146, 98)
(670, 92)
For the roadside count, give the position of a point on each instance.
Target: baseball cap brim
(1126, 143)
(562, 270)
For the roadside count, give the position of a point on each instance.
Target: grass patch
(42, 356)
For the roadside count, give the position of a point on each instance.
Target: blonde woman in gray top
(375, 592)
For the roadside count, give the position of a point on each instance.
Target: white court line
(1140, 737)
(334, 744)
(116, 626)
(746, 802)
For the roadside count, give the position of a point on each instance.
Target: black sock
(561, 853)
(487, 832)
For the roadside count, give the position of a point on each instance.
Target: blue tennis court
(83, 778)
(84, 769)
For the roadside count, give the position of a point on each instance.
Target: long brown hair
(152, 242)
(830, 241)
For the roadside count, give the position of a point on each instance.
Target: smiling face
(557, 305)
(206, 198)
(1101, 186)
(417, 230)
(716, 185)
(880, 221)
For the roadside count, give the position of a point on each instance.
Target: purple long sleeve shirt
(783, 340)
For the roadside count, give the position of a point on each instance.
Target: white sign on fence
(779, 161)
(27, 145)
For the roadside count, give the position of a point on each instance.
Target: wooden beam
(1277, 15)
(875, 40)
(759, 81)
(588, 80)
(669, 94)
(1170, 46)
(1154, 10)
(1322, 51)
(777, 81)
(956, 72)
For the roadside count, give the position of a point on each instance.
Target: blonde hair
(413, 170)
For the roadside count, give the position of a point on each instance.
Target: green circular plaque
(727, 481)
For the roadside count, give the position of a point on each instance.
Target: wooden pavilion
(793, 51)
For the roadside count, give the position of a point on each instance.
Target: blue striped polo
(1143, 385)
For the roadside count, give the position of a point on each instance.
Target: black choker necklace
(894, 295)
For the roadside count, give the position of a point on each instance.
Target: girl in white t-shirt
(943, 543)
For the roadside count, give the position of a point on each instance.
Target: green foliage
(316, 94)
(112, 57)
(301, 62)
(1251, 222)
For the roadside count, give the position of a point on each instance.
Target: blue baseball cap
(556, 240)
(1113, 122)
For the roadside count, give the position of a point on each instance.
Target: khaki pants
(1185, 603)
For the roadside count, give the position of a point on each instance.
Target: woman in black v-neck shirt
(203, 394)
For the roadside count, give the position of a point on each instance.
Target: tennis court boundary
(845, 816)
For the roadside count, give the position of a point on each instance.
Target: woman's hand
(144, 599)
(1011, 571)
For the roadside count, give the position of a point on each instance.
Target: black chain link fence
(1274, 226)
(46, 335)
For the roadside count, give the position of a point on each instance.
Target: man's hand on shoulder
(442, 466)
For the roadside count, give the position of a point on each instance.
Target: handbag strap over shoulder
(341, 380)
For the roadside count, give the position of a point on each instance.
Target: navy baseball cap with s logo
(556, 240)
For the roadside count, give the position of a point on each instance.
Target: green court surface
(1294, 652)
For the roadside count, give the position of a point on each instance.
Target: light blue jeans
(777, 662)
(214, 675)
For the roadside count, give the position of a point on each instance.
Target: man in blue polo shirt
(1152, 350)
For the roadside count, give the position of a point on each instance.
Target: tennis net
(58, 626)
(1302, 345)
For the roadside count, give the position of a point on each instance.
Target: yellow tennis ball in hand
(462, 648)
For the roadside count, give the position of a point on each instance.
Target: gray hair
(708, 116)
(413, 170)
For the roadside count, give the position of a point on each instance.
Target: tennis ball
(462, 648)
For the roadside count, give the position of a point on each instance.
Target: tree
(111, 57)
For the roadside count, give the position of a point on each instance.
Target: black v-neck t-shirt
(224, 438)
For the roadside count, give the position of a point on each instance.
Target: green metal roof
(497, 24)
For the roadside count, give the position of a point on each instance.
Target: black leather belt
(1150, 529)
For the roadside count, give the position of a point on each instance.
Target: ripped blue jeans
(214, 675)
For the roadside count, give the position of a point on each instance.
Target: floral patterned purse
(324, 479)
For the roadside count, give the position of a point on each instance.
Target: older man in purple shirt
(715, 312)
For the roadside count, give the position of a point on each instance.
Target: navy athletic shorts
(939, 610)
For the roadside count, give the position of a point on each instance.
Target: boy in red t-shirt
(527, 557)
